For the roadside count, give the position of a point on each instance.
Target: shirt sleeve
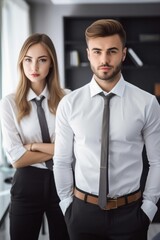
(151, 134)
(63, 155)
(11, 139)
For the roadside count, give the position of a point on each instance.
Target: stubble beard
(108, 76)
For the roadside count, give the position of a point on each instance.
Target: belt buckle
(115, 205)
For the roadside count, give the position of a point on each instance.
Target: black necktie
(44, 128)
(104, 181)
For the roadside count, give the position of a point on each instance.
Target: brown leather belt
(112, 203)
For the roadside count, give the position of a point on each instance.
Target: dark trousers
(87, 221)
(33, 193)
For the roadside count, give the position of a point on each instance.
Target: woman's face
(36, 64)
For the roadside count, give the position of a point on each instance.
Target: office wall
(48, 18)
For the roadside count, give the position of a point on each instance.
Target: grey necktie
(44, 128)
(104, 182)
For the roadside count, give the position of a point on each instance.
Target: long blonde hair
(53, 82)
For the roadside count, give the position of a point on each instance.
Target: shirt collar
(117, 90)
(31, 94)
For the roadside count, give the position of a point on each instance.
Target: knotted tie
(44, 128)
(104, 182)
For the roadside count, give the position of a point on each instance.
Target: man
(134, 122)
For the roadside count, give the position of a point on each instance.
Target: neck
(107, 84)
(38, 89)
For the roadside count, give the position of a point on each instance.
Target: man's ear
(124, 53)
(88, 54)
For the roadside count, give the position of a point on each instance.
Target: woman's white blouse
(15, 134)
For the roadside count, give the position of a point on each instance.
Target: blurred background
(65, 22)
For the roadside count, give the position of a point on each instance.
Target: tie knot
(108, 97)
(39, 102)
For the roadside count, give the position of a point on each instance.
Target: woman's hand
(40, 147)
(28, 146)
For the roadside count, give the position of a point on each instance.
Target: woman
(33, 191)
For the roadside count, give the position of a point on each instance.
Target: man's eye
(112, 51)
(97, 52)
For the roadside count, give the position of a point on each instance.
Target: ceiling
(91, 1)
(100, 1)
(39, 1)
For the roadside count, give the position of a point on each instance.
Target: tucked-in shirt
(15, 134)
(134, 121)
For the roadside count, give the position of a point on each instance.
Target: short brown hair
(104, 28)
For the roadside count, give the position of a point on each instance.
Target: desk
(4, 191)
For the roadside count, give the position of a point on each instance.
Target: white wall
(15, 29)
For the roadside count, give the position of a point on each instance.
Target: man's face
(106, 55)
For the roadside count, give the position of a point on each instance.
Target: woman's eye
(43, 60)
(27, 60)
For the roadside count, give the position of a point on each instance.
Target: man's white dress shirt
(134, 121)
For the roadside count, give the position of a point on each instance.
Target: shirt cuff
(149, 208)
(64, 204)
(15, 154)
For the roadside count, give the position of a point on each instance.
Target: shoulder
(75, 97)
(66, 91)
(7, 106)
(141, 99)
(8, 100)
(78, 93)
(138, 92)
